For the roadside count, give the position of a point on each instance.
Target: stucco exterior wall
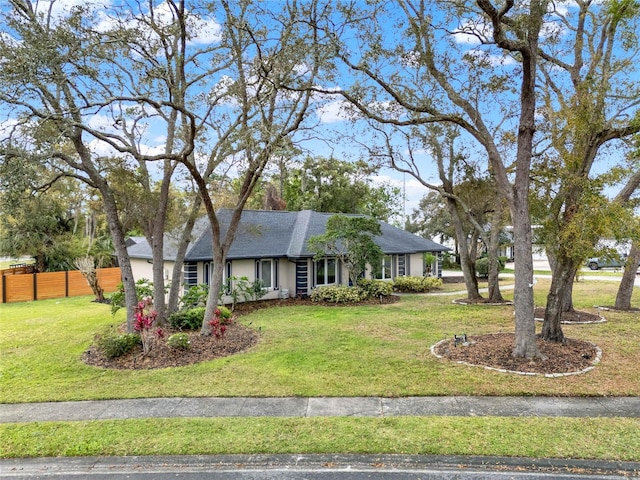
(286, 276)
(144, 269)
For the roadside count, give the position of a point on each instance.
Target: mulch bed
(495, 351)
(237, 338)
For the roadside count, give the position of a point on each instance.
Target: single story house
(272, 246)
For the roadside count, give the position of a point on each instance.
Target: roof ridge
(299, 233)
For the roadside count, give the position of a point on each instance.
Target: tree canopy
(350, 239)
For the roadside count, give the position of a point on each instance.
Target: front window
(207, 271)
(265, 272)
(385, 271)
(402, 265)
(190, 274)
(326, 271)
(226, 275)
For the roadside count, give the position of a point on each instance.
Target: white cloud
(412, 189)
(492, 60)
(102, 149)
(101, 123)
(60, 8)
(334, 112)
(473, 32)
(7, 126)
(152, 150)
(202, 30)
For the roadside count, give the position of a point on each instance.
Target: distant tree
(41, 229)
(42, 212)
(335, 186)
(431, 219)
(476, 211)
(87, 266)
(350, 239)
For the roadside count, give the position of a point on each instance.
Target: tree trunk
(525, 331)
(117, 236)
(525, 334)
(467, 263)
(157, 267)
(87, 268)
(567, 302)
(625, 291)
(562, 277)
(214, 290)
(558, 264)
(177, 275)
(495, 296)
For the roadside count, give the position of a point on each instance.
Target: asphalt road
(313, 467)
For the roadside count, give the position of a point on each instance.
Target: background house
(272, 246)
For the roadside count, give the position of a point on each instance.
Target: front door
(302, 278)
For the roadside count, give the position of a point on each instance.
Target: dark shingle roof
(273, 234)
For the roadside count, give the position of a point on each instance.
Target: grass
(584, 272)
(493, 436)
(7, 262)
(316, 351)
(308, 351)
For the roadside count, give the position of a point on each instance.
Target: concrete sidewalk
(459, 406)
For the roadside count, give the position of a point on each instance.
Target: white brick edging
(602, 320)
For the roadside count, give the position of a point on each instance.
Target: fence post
(4, 288)
(66, 283)
(35, 286)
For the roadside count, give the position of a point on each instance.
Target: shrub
(224, 313)
(241, 289)
(416, 284)
(187, 319)
(179, 341)
(114, 344)
(338, 294)
(376, 288)
(144, 289)
(449, 261)
(482, 266)
(196, 296)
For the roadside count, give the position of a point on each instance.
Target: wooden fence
(24, 287)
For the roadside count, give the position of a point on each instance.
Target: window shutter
(276, 280)
(228, 279)
(313, 274)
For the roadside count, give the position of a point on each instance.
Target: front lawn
(309, 351)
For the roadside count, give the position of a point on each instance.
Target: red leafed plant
(219, 324)
(145, 317)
